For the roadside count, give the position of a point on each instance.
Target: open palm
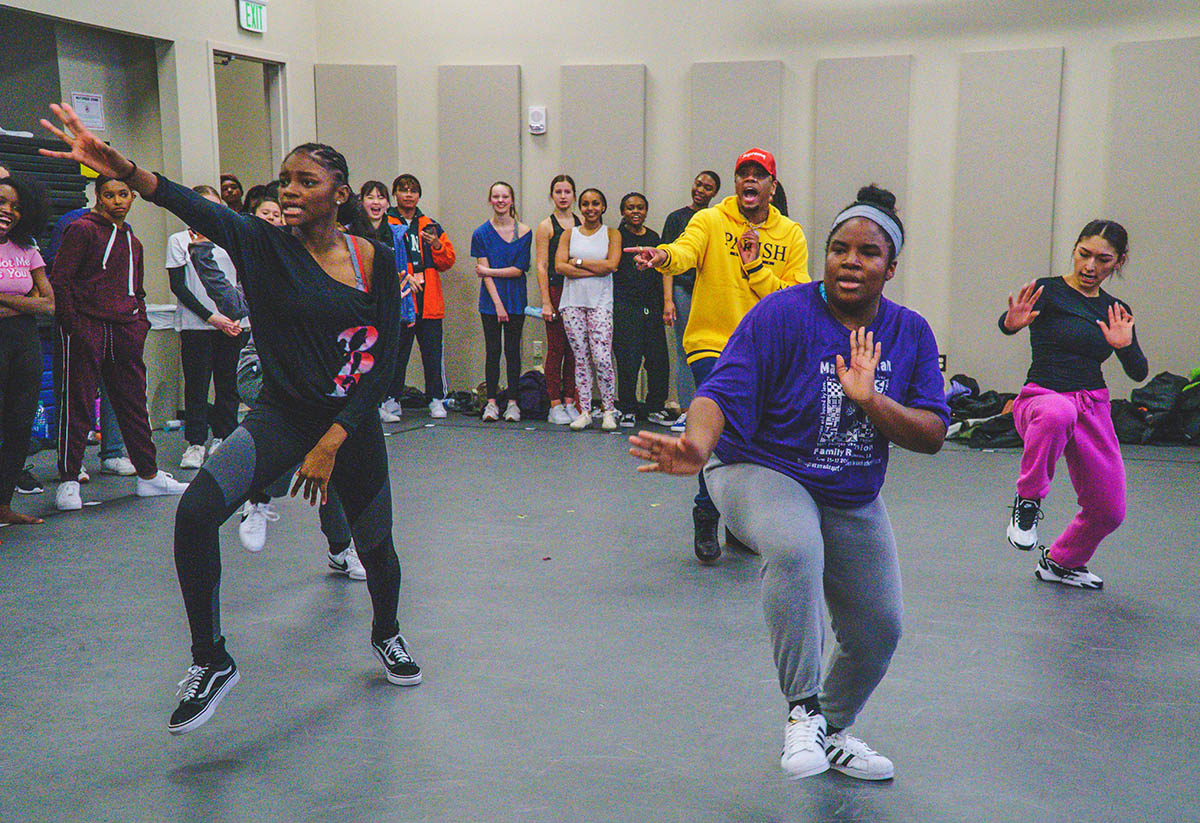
(858, 378)
(85, 147)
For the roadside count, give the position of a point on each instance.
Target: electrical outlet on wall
(942, 362)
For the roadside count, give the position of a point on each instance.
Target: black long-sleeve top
(1068, 345)
(327, 349)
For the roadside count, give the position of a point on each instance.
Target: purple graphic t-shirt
(785, 409)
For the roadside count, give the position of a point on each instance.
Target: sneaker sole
(397, 679)
(857, 775)
(206, 715)
(347, 572)
(29, 491)
(817, 768)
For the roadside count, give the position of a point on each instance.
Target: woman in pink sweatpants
(1063, 410)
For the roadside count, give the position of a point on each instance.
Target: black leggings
(20, 384)
(209, 356)
(269, 442)
(492, 329)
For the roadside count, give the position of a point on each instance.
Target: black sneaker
(199, 693)
(706, 545)
(627, 420)
(1022, 526)
(399, 664)
(27, 483)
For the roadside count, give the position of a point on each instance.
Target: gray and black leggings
(813, 552)
(269, 442)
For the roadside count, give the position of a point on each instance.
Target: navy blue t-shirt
(785, 409)
(500, 254)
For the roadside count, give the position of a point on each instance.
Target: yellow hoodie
(725, 289)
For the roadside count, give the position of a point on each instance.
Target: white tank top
(588, 292)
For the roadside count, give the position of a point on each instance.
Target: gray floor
(579, 664)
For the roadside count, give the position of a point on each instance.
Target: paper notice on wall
(90, 108)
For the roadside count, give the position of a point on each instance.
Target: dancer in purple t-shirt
(791, 429)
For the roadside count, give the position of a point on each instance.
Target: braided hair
(328, 158)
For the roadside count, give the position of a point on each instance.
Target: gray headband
(876, 216)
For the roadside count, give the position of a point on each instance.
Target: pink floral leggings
(590, 333)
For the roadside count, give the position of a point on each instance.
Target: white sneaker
(559, 415)
(609, 422)
(1022, 526)
(1051, 572)
(386, 415)
(804, 744)
(214, 445)
(193, 457)
(437, 410)
(581, 422)
(572, 411)
(491, 412)
(253, 529)
(84, 477)
(513, 412)
(392, 405)
(850, 756)
(160, 485)
(66, 498)
(680, 425)
(121, 466)
(347, 563)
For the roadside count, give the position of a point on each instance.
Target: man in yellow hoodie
(742, 249)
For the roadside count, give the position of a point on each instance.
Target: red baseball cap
(761, 156)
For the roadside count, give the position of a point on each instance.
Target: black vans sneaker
(199, 693)
(399, 664)
(1022, 526)
(27, 483)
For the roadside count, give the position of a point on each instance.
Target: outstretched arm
(683, 455)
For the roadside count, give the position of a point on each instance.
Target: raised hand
(858, 379)
(1118, 331)
(1020, 308)
(666, 454)
(748, 247)
(85, 147)
(646, 257)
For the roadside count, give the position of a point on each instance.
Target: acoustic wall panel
(1003, 206)
(735, 106)
(603, 135)
(860, 136)
(479, 142)
(1154, 191)
(357, 116)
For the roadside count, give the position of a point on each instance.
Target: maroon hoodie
(98, 272)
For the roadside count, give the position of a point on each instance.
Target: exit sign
(252, 16)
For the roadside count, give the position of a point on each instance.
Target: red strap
(362, 272)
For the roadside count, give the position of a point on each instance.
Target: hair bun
(877, 196)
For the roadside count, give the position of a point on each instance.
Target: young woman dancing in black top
(326, 319)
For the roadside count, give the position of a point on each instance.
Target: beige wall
(669, 37)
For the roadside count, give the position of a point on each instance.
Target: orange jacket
(432, 262)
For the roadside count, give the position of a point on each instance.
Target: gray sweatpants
(808, 549)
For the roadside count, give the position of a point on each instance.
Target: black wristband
(125, 178)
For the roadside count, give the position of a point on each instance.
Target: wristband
(127, 177)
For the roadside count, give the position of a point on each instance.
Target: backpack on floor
(532, 398)
(1128, 423)
(1156, 401)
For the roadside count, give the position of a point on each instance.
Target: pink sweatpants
(1078, 426)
